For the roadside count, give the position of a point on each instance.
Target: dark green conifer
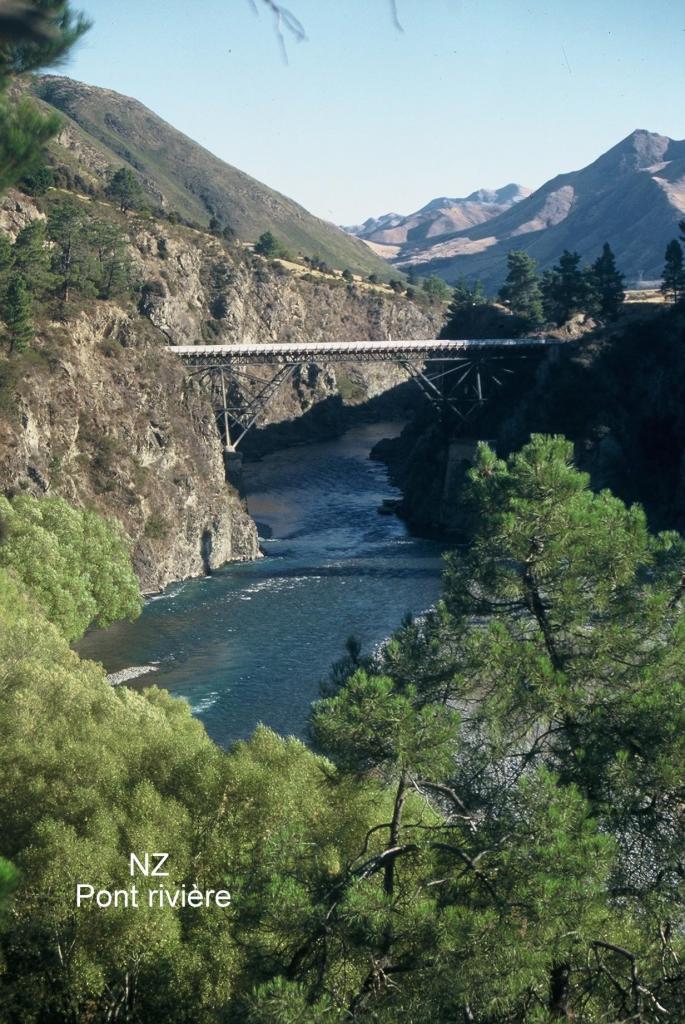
(673, 278)
(521, 289)
(16, 313)
(606, 284)
(125, 190)
(565, 289)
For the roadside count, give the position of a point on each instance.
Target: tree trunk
(395, 826)
(559, 992)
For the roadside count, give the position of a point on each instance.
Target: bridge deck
(356, 351)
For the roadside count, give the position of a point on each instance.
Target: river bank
(253, 641)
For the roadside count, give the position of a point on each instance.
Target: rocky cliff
(99, 412)
(617, 393)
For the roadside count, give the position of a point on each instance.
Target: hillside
(632, 196)
(179, 175)
(439, 217)
(95, 409)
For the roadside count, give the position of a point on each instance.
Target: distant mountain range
(104, 129)
(632, 196)
(394, 235)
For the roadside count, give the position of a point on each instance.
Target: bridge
(453, 375)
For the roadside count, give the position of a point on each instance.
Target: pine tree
(565, 289)
(268, 245)
(33, 35)
(125, 190)
(462, 319)
(16, 312)
(32, 257)
(112, 261)
(521, 289)
(607, 284)
(72, 259)
(673, 278)
(6, 263)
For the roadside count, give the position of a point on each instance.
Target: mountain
(632, 196)
(180, 175)
(440, 217)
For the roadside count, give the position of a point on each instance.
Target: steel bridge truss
(243, 398)
(456, 384)
(470, 383)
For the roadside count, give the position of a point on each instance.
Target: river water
(252, 642)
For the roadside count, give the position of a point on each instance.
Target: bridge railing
(355, 351)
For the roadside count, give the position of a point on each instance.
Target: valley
(333, 568)
(385, 681)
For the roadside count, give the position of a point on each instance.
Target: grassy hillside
(181, 175)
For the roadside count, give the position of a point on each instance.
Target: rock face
(100, 413)
(103, 418)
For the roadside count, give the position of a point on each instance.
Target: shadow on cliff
(332, 417)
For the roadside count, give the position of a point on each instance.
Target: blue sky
(364, 119)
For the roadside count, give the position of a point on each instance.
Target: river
(252, 642)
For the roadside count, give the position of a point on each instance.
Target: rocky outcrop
(103, 417)
(100, 413)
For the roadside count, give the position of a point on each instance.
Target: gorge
(251, 643)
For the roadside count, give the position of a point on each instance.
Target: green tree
(347, 275)
(269, 246)
(561, 625)
(464, 311)
(32, 258)
(17, 312)
(8, 883)
(6, 263)
(606, 285)
(436, 288)
(565, 289)
(72, 260)
(74, 563)
(34, 35)
(521, 289)
(673, 277)
(87, 774)
(125, 190)
(37, 183)
(112, 271)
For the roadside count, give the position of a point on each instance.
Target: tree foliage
(269, 246)
(673, 278)
(89, 255)
(34, 35)
(16, 312)
(566, 289)
(492, 829)
(125, 190)
(75, 564)
(606, 285)
(521, 289)
(436, 288)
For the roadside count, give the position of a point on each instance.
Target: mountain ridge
(632, 196)
(442, 215)
(183, 176)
